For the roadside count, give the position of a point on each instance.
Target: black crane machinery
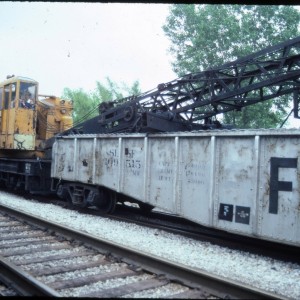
(192, 101)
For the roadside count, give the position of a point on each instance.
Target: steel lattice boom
(191, 101)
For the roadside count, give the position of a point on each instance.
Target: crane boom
(191, 101)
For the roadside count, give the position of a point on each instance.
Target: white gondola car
(241, 181)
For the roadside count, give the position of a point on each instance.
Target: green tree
(204, 36)
(86, 104)
(111, 91)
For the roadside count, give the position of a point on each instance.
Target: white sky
(76, 44)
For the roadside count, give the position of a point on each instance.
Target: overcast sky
(76, 44)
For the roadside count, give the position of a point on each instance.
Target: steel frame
(191, 102)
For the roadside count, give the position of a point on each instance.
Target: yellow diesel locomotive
(27, 121)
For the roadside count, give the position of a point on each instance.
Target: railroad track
(183, 227)
(6, 291)
(177, 225)
(39, 258)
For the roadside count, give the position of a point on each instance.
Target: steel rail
(213, 284)
(22, 282)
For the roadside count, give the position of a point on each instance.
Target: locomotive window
(27, 89)
(1, 91)
(9, 95)
(13, 95)
(6, 96)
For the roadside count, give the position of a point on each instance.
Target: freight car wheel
(108, 202)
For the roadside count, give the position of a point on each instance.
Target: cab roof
(17, 78)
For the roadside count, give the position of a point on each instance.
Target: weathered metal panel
(161, 173)
(85, 162)
(279, 191)
(234, 183)
(107, 163)
(63, 159)
(194, 178)
(132, 183)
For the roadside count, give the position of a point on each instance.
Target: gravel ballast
(261, 272)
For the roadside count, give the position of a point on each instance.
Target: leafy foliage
(86, 104)
(204, 36)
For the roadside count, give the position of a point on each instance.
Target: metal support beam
(296, 103)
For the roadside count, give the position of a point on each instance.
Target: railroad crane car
(165, 148)
(27, 121)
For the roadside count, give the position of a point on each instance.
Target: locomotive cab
(26, 121)
(18, 97)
